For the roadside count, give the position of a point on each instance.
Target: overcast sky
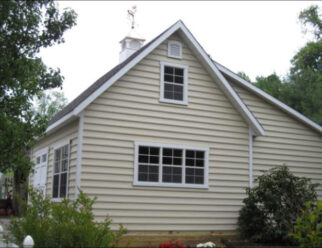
(258, 38)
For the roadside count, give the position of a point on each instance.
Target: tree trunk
(19, 192)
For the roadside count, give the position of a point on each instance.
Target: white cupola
(130, 44)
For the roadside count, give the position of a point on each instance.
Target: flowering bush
(206, 245)
(176, 244)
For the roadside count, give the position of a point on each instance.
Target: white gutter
(79, 154)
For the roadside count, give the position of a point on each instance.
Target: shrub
(308, 228)
(171, 244)
(272, 207)
(65, 224)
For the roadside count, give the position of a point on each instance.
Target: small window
(166, 165)
(174, 49)
(174, 83)
(61, 165)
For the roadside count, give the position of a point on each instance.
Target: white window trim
(57, 146)
(170, 42)
(185, 83)
(136, 182)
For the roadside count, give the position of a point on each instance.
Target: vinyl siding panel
(130, 111)
(286, 141)
(68, 132)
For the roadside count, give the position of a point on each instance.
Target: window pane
(178, 96)
(194, 176)
(57, 154)
(177, 161)
(171, 174)
(199, 172)
(199, 162)
(153, 177)
(190, 162)
(168, 70)
(63, 185)
(65, 152)
(168, 95)
(55, 186)
(64, 165)
(168, 78)
(177, 153)
(57, 169)
(44, 157)
(200, 154)
(143, 159)
(167, 152)
(153, 169)
(143, 177)
(189, 179)
(38, 160)
(154, 150)
(198, 180)
(190, 154)
(143, 150)
(154, 159)
(178, 79)
(178, 89)
(143, 168)
(168, 87)
(179, 71)
(167, 160)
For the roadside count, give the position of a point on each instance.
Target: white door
(40, 175)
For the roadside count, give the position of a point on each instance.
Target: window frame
(185, 83)
(170, 42)
(136, 182)
(56, 147)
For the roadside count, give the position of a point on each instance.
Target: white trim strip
(59, 122)
(250, 142)
(79, 154)
(271, 99)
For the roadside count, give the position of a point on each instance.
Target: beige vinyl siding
(68, 132)
(130, 111)
(286, 141)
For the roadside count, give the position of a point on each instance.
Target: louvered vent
(175, 49)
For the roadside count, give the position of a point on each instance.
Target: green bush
(65, 224)
(308, 228)
(272, 207)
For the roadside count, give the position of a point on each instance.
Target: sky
(258, 38)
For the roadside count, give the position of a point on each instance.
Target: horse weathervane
(131, 15)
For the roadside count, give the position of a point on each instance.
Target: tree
(47, 104)
(25, 28)
(272, 84)
(244, 76)
(302, 88)
(273, 206)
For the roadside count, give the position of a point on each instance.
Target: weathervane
(130, 15)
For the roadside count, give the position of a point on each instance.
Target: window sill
(56, 199)
(184, 103)
(171, 185)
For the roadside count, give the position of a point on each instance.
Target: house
(169, 139)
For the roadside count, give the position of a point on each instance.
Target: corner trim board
(79, 154)
(250, 142)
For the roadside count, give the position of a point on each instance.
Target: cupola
(132, 41)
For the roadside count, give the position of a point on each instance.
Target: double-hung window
(174, 83)
(170, 165)
(61, 167)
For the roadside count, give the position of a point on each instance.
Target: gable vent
(175, 49)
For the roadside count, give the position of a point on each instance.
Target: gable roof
(73, 109)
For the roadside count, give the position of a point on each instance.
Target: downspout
(79, 153)
(250, 143)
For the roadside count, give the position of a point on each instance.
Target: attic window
(174, 83)
(174, 49)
